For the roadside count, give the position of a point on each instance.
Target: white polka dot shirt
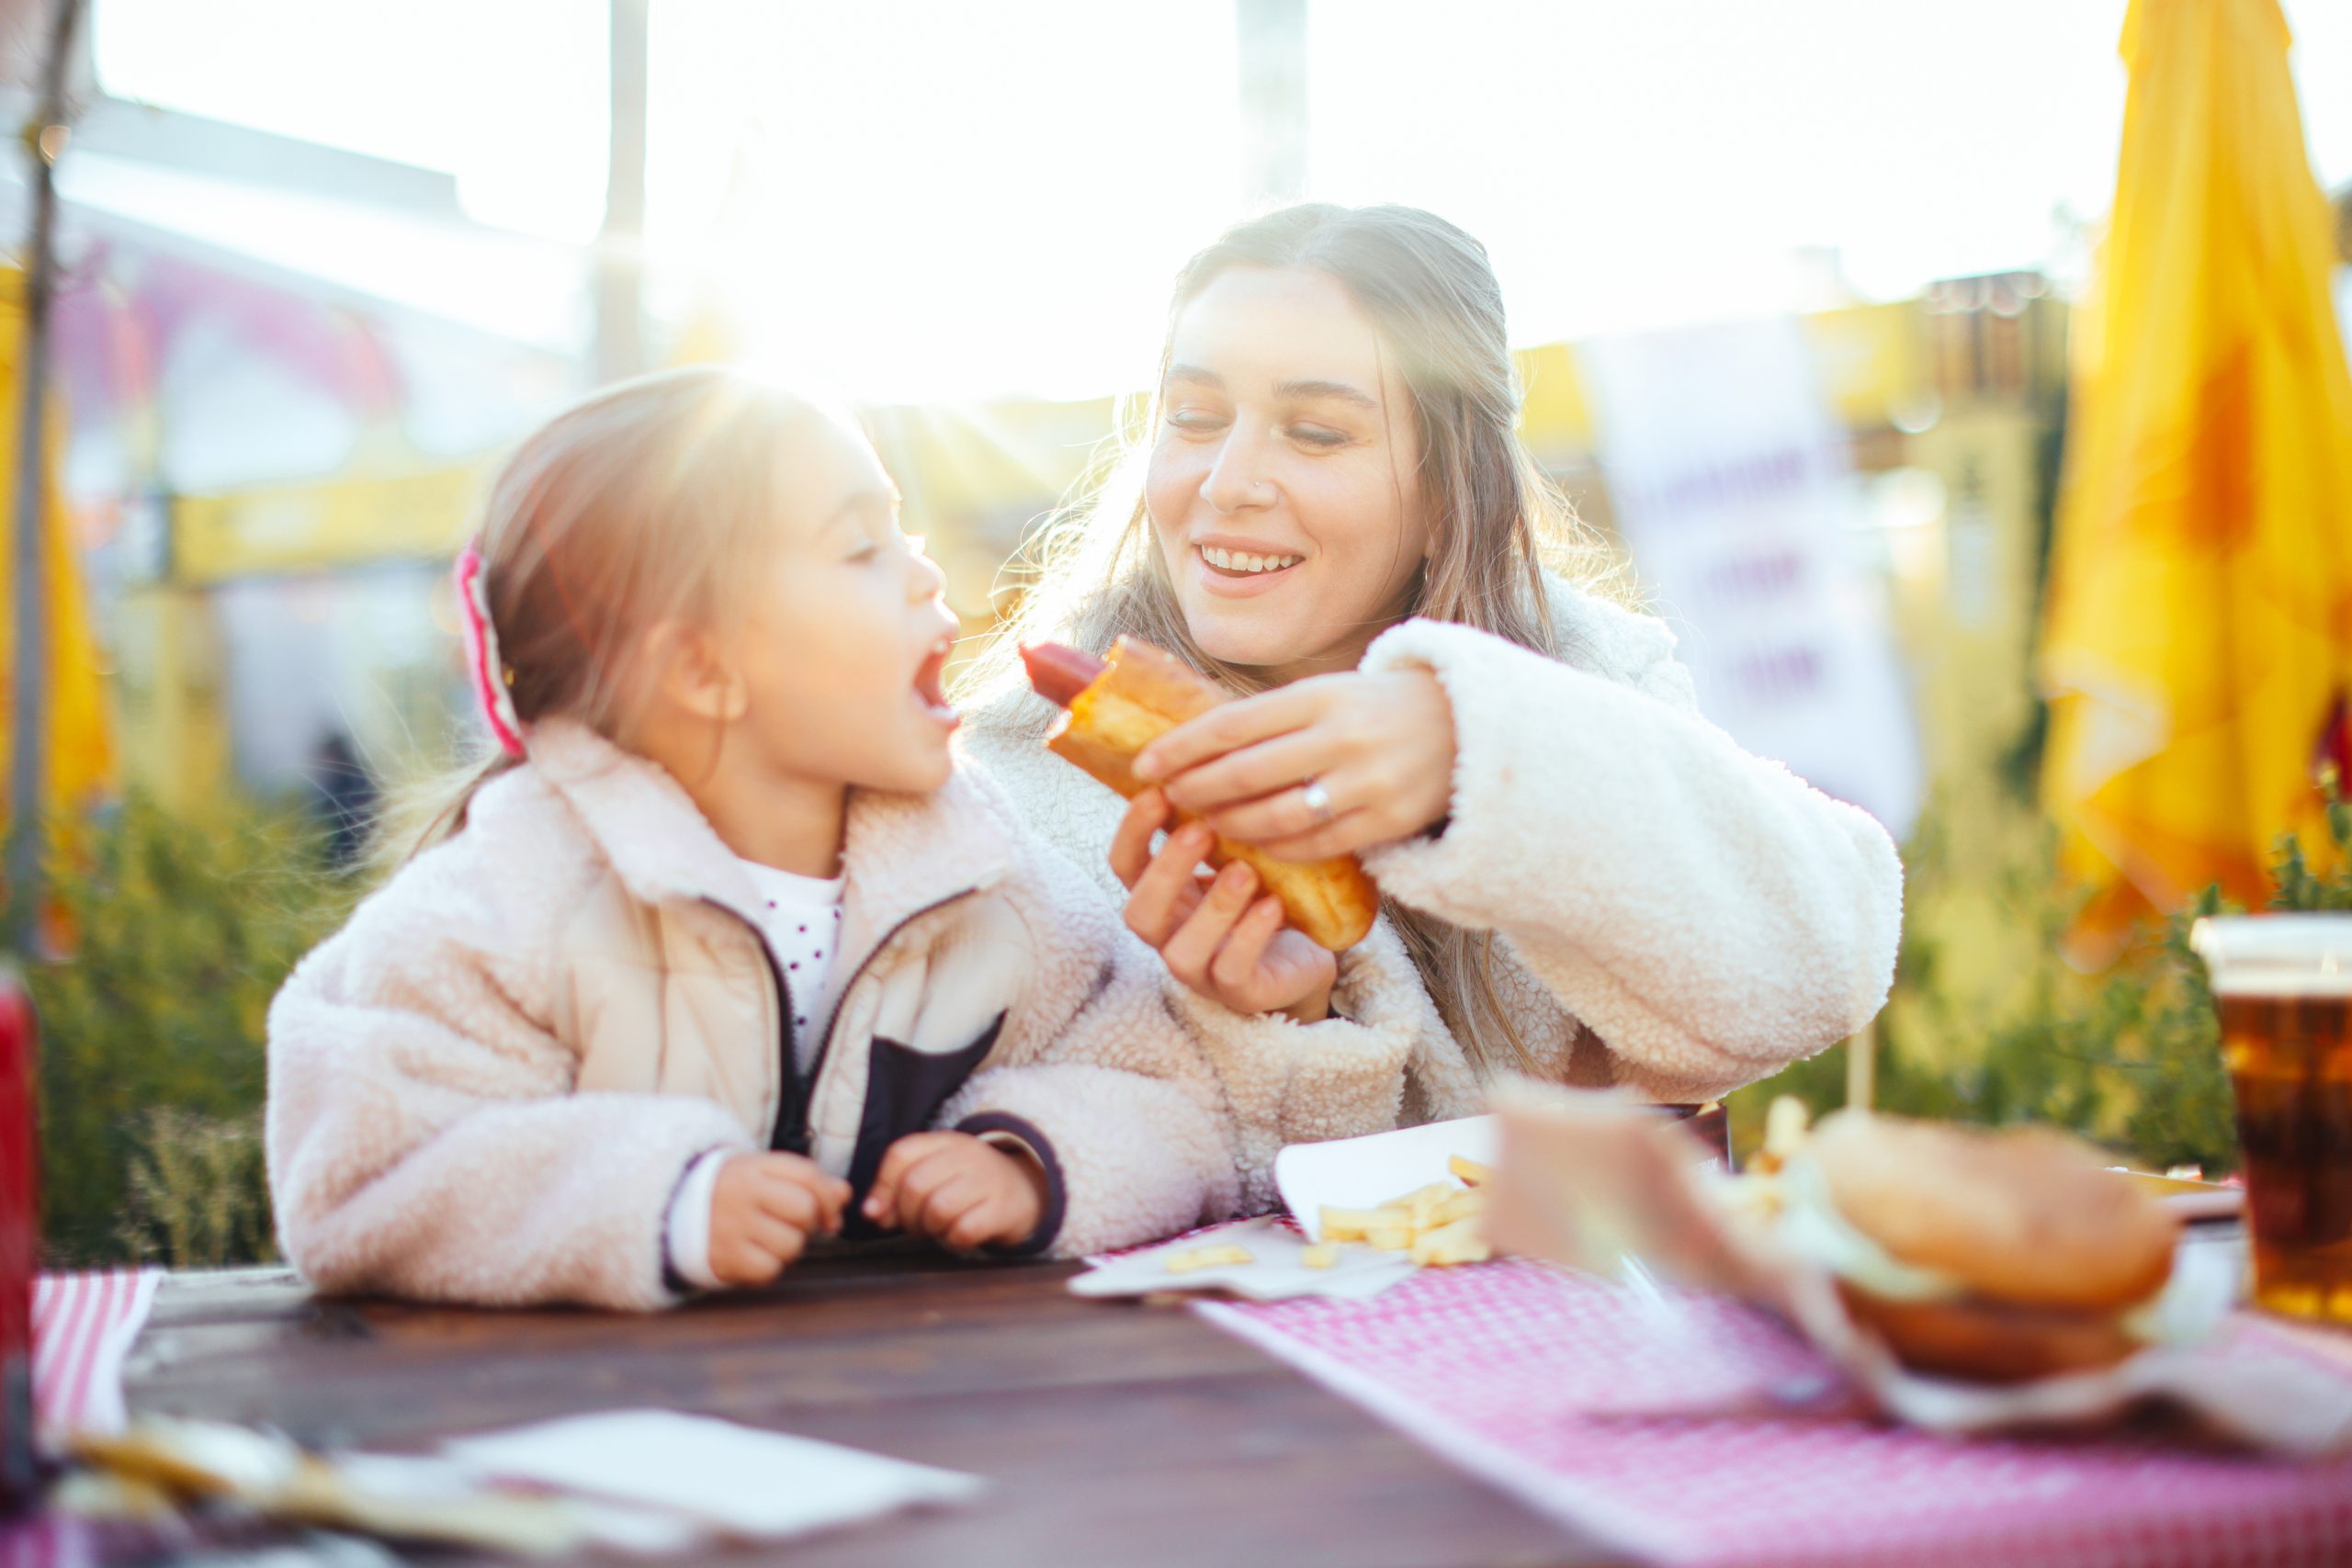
(802, 916)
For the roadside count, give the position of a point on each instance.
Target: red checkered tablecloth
(83, 1328)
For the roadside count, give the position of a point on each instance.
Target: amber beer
(2284, 985)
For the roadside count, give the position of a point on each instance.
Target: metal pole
(1271, 36)
(620, 247)
(44, 142)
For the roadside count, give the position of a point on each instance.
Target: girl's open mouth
(931, 688)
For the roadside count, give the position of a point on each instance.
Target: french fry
(1201, 1257)
(1470, 1171)
(1464, 1204)
(1457, 1243)
(1322, 1255)
(1352, 1225)
(1784, 1132)
(1437, 1224)
(1420, 1203)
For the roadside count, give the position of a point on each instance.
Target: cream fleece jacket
(487, 1087)
(1672, 913)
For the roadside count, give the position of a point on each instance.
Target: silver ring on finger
(1317, 798)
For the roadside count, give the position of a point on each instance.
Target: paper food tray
(1345, 1173)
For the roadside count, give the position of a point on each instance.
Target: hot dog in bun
(1118, 706)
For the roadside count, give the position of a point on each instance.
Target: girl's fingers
(783, 1197)
(779, 1240)
(1131, 845)
(949, 1203)
(1231, 724)
(1157, 900)
(882, 1198)
(1254, 771)
(935, 1171)
(1236, 964)
(832, 1197)
(1188, 952)
(976, 1227)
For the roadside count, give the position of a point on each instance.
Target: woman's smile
(1234, 570)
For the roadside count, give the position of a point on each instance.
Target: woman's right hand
(1213, 932)
(763, 1209)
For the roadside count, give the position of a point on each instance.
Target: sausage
(1059, 672)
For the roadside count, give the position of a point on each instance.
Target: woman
(1583, 881)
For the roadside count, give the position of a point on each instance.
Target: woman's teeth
(1238, 561)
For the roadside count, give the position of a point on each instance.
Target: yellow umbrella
(80, 763)
(2199, 628)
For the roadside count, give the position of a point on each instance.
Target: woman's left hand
(1381, 745)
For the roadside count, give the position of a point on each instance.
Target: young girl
(719, 954)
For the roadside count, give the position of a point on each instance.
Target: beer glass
(2284, 985)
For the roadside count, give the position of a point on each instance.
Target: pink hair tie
(490, 672)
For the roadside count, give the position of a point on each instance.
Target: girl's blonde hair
(1496, 523)
(642, 503)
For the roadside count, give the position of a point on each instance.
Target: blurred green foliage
(180, 930)
(2131, 1057)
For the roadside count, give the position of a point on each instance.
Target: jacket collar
(903, 852)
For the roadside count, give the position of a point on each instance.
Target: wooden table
(1116, 1433)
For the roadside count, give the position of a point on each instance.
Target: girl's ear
(692, 676)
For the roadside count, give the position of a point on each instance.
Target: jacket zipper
(788, 1081)
(799, 1143)
(790, 1134)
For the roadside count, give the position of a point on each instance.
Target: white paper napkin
(1276, 1272)
(737, 1478)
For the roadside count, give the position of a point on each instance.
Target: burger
(1990, 1254)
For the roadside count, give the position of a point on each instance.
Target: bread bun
(1988, 1341)
(2025, 1216)
(1144, 694)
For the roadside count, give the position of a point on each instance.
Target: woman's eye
(865, 552)
(1195, 420)
(1315, 436)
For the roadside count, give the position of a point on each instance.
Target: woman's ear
(692, 675)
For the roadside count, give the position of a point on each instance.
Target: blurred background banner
(1734, 496)
(78, 759)
(2200, 638)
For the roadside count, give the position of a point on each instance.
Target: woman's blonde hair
(639, 505)
(1496, 523)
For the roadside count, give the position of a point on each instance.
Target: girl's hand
(1381, 745)
(763, 1209)
(1212, 933)
(958, 1191)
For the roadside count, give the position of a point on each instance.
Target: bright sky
(942, 200)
